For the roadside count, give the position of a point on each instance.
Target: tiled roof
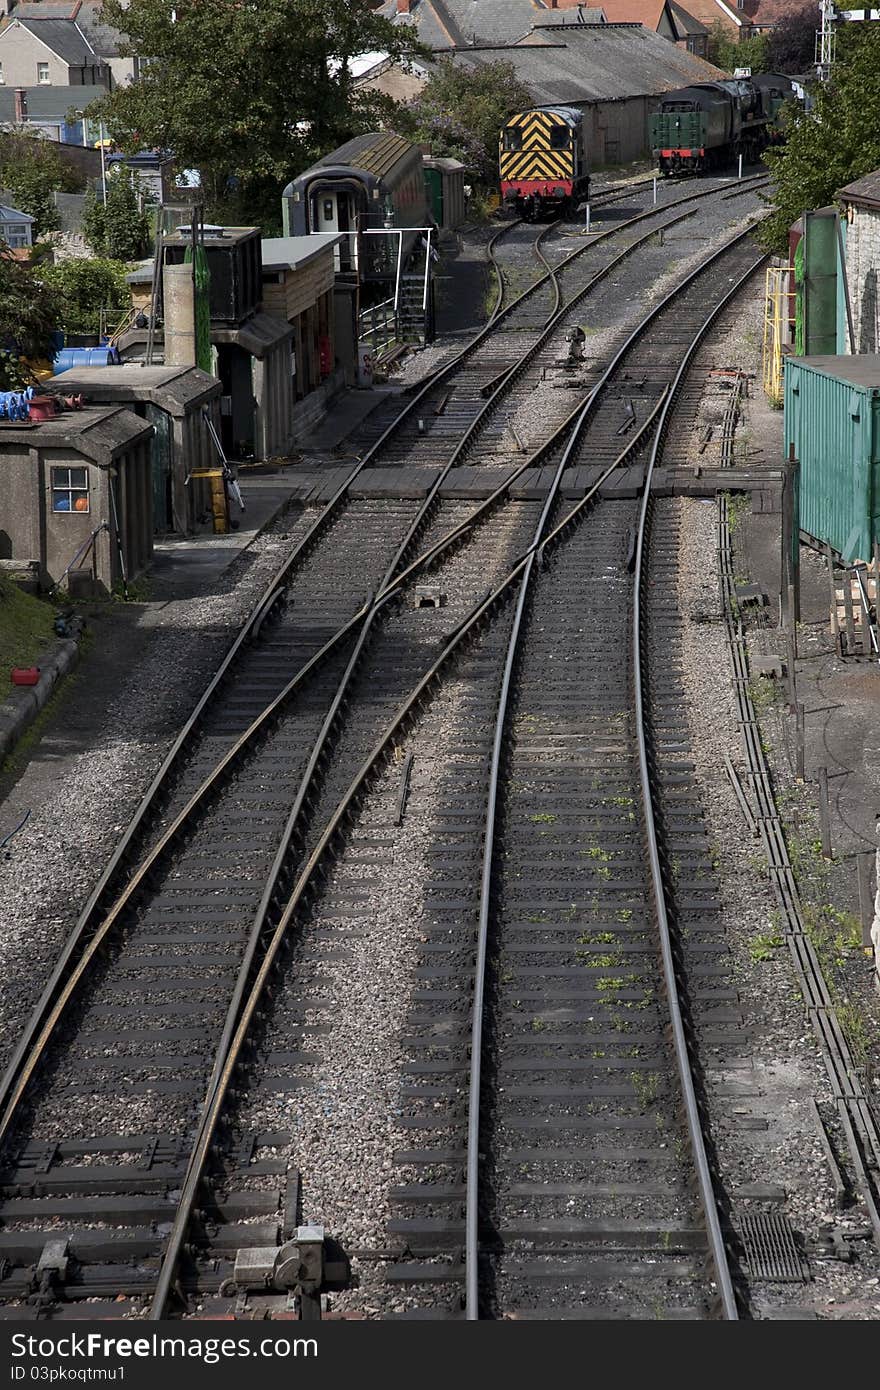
(456, 23)
(864, 190)
(62, 36)
(685, 22)
(647, 12)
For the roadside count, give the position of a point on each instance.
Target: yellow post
(219, 500)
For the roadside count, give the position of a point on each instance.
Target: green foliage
(762, 946)
(28, 317)
(119, 230)
(837, 142)
(25, 627)
(727, 54)
(89, 290)
(792, 41)
(32, 168)
(460, 111)
(246, 93)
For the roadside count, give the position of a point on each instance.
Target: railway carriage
(374, 181)
(543, 160)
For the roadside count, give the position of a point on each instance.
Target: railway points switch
(296, 1265)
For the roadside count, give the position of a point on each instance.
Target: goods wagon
(832, 421)
(373, 181)
(543, 160)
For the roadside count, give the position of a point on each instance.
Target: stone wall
(863, 270)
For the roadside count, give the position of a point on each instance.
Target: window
(15, 234)
(43, 72)
(70, 490)
(560, 138)
(512, 139)
(2, 78)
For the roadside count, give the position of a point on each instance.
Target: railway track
(103, 1015)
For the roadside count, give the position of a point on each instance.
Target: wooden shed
(300, 286)
(77, 497)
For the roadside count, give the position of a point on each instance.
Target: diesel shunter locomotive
(543, 161)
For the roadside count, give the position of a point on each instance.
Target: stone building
(860, 201)
(77, 497)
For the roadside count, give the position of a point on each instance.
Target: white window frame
(41, 80)
(2, 78)
(15, 234)
(61, 486)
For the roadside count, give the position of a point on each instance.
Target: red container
(24, 675)
(42, 408)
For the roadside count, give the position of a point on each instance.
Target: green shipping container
(832, 421)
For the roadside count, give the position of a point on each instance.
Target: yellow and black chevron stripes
(535, 159)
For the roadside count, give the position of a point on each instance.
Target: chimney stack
(20, 105)
(404, 6)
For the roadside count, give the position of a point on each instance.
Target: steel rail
(226, 1061)
(50, 1008)
(717, 1244)
(64, 977)
(472, 1303)
(853, 1105)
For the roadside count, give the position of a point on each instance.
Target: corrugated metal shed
(832, 419)
(599, 62)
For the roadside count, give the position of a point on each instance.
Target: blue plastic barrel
(85, 357)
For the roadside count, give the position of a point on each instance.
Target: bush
(119, 230)
(93, 294)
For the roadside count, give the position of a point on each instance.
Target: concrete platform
(182, 567)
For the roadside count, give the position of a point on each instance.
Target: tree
(29, 317)
(461, 110)
(245, 92)
(119, 229)
(92, 294)
(32, 169)
(836, 142)
(726, 53)
(792, 43)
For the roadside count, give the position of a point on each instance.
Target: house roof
(865, 190)
(725, 12)
(458, 23)
(766, 13)
(647, 12)
(291, 252)
(685, 22)
(104, 39)
(594, 62)
(63, 36)
(48, 103)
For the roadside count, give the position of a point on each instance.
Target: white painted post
(740, 174)
(587, 227)
(655, 190)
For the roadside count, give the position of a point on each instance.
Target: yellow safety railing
(776, 309)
